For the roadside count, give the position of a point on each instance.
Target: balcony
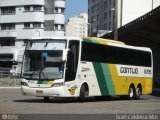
(5, 3)
(7, 50)
(59, 19)
(60, 3)
(35, 16)
(8, 34)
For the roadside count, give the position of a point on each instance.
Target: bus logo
(73, 89)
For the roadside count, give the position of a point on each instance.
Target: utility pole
(115, 21)
(152, 4)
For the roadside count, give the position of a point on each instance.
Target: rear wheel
(46, 99)
(137, 93)
(131, 93)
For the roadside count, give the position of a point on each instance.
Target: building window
(94, 19)
(56, 26)
(62, 27)
(114, 3)
(36, 25)
(93, 9)
(109, 13)
(7, 42)
(62, 10)
(27, 8)
(105, 15)
(8, 10)
(110, 3)
(7, 26)
(37, 7)
(105, 27)
(105, 4)
(56, 10)
(26, 25)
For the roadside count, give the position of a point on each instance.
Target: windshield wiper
(30, 73)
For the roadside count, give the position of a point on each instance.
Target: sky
(74, 7)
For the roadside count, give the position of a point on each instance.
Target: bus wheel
(46, 99)
(137, 93)
(131, 93)
(83, 93)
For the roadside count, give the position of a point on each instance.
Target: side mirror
(64, 55)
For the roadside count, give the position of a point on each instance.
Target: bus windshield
(43, 61)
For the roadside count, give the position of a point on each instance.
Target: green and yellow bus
(81, 67)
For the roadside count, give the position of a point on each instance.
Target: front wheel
(83, 93)
(46, 99)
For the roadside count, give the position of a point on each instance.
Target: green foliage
(10, 82)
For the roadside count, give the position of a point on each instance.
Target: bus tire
(131, 93)
(83, 93)
(46, 99)
(137, 93)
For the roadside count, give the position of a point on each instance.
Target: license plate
(39, 92)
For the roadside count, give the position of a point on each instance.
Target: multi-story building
(24, 19)
(102, 12)
(77, 26)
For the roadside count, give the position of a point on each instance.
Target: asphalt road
(13, 102)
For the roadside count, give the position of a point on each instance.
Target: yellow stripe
(50, 82)
(113, 69)
(122, 83)
(114, 75)
(105, 41)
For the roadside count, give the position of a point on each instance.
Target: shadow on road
(74, 100)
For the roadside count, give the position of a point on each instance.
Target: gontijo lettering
(129, 70)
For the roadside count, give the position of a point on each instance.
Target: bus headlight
(58, 84)
(24, 84)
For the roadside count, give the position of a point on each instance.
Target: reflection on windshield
(43, 64)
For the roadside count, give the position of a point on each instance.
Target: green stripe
(45, 82)
(90, 40)
(108, 78)
(42, 82)
(86, 40)
(101, 78)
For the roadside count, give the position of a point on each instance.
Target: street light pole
(115, 21)
(152, 4)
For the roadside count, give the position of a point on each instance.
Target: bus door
(71, 83)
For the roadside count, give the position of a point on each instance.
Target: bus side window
(72, 60)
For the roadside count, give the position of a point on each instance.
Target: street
(13, 102)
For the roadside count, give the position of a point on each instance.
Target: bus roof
(98, 41)
(102, 41)
(114, 43)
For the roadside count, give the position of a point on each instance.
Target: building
(102, 12)
(24, 19)
(77, 26)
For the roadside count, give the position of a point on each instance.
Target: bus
(82, 67)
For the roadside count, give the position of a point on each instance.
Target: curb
(10, 87)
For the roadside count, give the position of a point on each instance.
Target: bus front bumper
(42, 92)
